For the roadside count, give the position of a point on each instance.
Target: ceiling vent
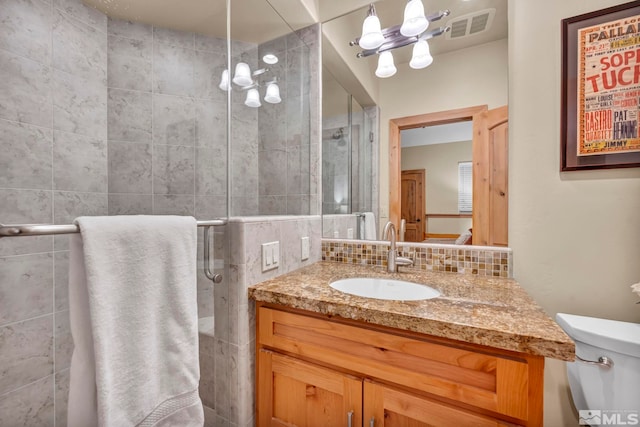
(470, 24)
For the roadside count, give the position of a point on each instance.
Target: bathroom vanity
(472, 357)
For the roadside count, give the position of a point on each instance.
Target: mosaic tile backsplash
(479, 260)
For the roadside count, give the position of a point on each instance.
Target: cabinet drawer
(387, 407)
(494, 382)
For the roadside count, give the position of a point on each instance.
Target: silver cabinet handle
(372, 423)
(350, 418)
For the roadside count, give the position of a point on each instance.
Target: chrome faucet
(393, 260)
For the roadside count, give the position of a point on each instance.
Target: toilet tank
(613, 391)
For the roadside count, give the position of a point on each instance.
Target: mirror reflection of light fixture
(270, 59)
(253, 98)
(225, 84)
(412, 31)
(242, 76)
(273, 93)
(250, 82)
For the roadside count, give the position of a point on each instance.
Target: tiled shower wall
(235, 335)
(78, 140)
(166, 122)
(284, 131)
(53, 137)
(234, 345)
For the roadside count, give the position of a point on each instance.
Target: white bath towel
(369, 226)
(133, 309)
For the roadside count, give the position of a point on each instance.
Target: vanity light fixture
(421, 57)
(414, 20)
(372, 36)
(413, 31)
(386, 67)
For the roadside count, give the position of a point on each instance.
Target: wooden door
(412, 204)
(296, 393)
(490, 177)
(387, 407)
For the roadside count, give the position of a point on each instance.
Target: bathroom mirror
(477, 44)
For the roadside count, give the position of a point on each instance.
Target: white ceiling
(257, 21)
(253, 21)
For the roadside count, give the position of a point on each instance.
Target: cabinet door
(296, 393)
(385, 406)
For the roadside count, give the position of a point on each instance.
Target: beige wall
(575, 235)
(354, 74)
(440, 162)
(458, 79)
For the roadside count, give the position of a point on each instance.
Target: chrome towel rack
(18, 230)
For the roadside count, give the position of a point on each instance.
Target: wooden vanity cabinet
(313, 370)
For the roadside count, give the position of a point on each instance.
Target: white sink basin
(387, 289)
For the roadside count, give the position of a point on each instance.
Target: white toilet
(609, 389)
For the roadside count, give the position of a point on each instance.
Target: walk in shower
(122, 107)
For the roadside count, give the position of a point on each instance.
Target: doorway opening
(490, 169)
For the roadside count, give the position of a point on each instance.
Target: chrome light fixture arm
(394, 32)
(402, 41)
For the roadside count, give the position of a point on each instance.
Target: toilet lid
(621, 337)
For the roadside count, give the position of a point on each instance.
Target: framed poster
(601, 89)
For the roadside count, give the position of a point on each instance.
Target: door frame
(412, 122)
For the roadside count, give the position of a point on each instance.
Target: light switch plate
(270, 256)
(304, 250)
(349, 233)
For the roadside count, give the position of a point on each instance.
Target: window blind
(465, 187)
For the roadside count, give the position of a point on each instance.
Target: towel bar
(17, 230)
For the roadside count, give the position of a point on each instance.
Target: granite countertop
(476, 309)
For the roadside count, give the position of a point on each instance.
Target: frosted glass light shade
(386, 67)
(253, 99)
(414, 20)
(270, 59)
(371, 37)
(224, 81)
(421, 57)
(273, 94)
(242, 77)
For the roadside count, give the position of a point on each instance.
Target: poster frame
(570, 161)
